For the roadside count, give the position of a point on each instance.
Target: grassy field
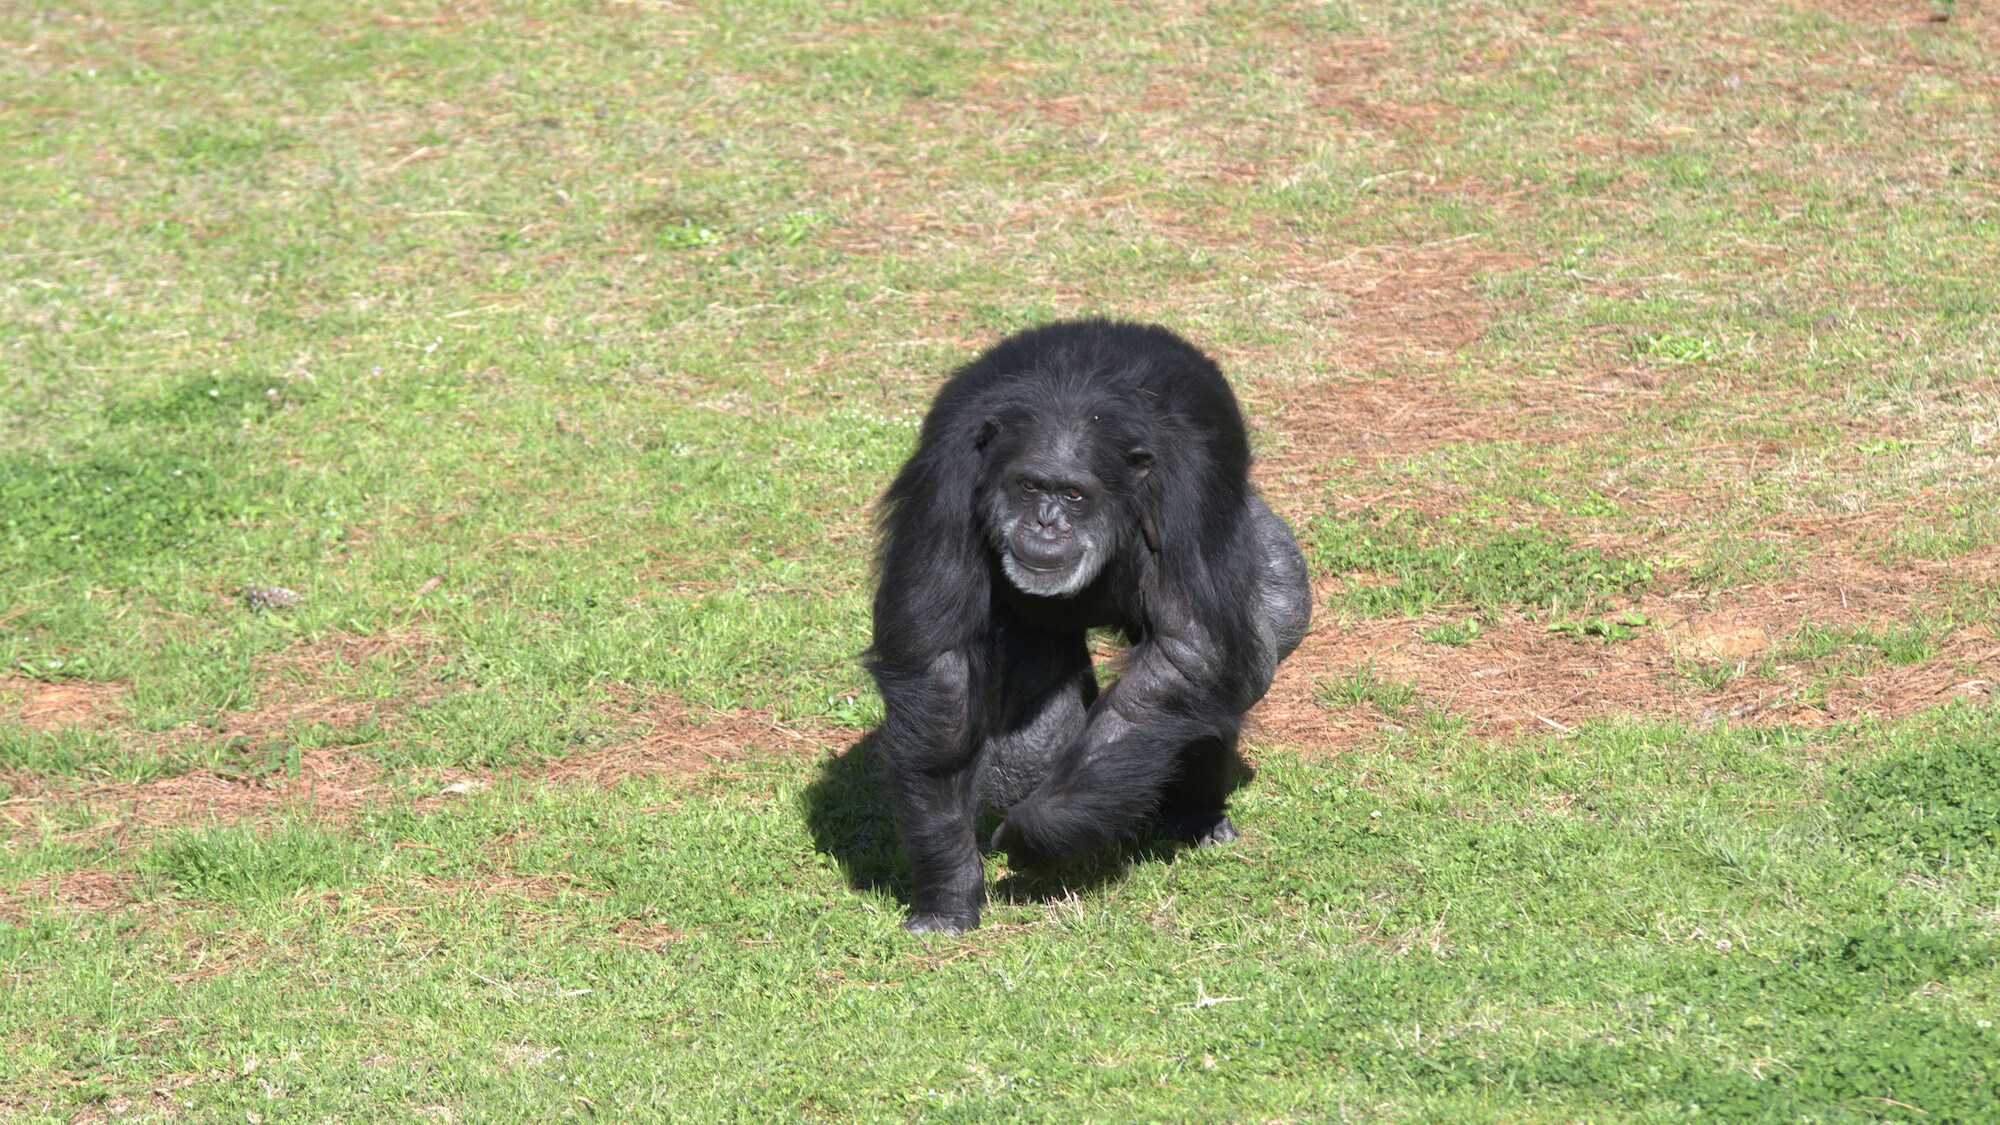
(1629, 371)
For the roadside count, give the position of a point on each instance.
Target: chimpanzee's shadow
(848, 812)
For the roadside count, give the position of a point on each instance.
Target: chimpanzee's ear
(987, 429)
(1140, 460)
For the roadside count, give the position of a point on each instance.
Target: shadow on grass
(850, 816)
(852, 819)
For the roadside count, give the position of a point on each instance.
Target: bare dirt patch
(1899, 13)
(309, 683)
(1405, 303)
(48, 705)
(1727, 658)
(330, 783)
(319, 682)
(666, 737)
(1348, 83)
(1404, 314)
(679, 740)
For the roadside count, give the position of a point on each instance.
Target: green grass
(1366, 685)
(1454, 633)
(1585, 932)
(1938, 803)
(1708, 675)
(556, 353)
(1621, 626)
(1908, 643)
(1400, 563)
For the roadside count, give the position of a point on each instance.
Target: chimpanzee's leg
(929, 742)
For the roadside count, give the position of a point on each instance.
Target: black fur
(990, 698)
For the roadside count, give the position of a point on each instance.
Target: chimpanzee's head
(1061, 493)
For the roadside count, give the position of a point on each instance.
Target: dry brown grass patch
(1410, 302)
(330, 784)
(1406, 312)
(159, 1105)
(1348, 79)
(91, 890)
(336, 783)
(642, 934)
(1517, 677)
(672, 738)
(307, 683)
(49, 704)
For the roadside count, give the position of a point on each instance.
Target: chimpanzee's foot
(1198, 829)
(932, 922)
(1223, 832)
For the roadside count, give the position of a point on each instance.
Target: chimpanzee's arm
(1171, 695)
(928, 740)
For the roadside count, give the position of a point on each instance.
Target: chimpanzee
(1084, 474)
